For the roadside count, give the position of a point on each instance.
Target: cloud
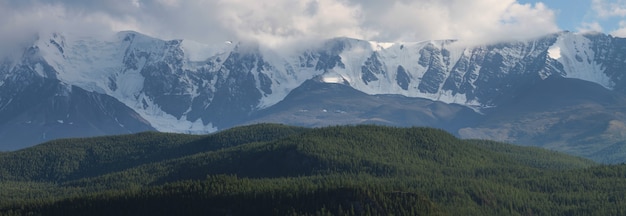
(19, 28)
(278, 20)
(286, 21)
(590, 27)
(621, 31)
(479, 20)
(21, 19)
(608, 15)
(606, 9)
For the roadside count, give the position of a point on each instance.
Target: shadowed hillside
(272, 169)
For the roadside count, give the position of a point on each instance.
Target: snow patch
(166, 122)
(378, 46)
(129, 83)
(332, 77)
(448, 97)
(195, 51)
(286, 74)
(39, 70)
(87, 62)
(578, 59)
(554, 52)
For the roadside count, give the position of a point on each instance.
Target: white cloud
(607, 15)
(136, 3)
(283, 21)
(479, 20)
(40, 17)
(590, 27)
(278, 20)
(19, 28)
(169, 3)
(607, 8)
(621, 31)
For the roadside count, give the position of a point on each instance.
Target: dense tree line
(270, 169)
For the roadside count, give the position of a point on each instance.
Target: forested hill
(270, 169)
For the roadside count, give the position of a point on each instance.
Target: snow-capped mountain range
(188, 87)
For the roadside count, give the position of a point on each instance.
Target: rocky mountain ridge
(187, 87)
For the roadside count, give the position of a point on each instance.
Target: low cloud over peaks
(282, 21)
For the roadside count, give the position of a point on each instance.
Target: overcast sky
(277, 21)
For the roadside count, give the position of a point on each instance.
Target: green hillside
(270, 169)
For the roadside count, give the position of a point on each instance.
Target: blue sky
(579, 15)
(277, 22)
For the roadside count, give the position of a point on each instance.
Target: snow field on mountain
(578, 58)
(100, 65)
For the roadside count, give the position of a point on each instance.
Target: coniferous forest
(270, 169)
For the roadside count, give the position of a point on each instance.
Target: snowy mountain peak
(186, 86)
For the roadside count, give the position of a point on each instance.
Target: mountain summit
(68, 86)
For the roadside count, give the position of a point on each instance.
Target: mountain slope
(568, 115)
(187, 87)
(338, 169)
(47, 109)
(321, 104)
(71, 159)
